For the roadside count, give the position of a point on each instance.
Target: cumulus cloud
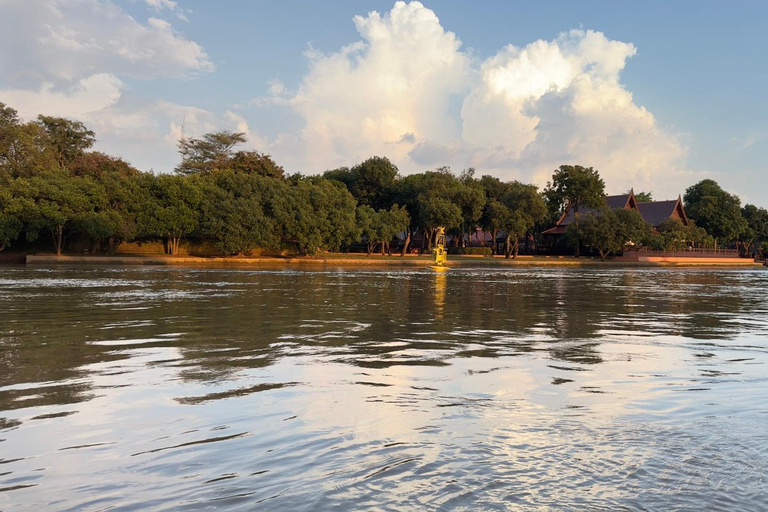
(407, 90)
(401, 79)
(72, 39)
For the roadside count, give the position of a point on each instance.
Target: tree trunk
(407, 242)
(111, 246)
(494, 249)
(507, 246)
(430, 238)
(58, 239)
(516, 248)
(369, 247)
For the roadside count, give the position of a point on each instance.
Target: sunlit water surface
(524, 389)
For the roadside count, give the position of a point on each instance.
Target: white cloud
(170, 5)
(399, 80)
(89, 95)
(71, 39)
(407, 90)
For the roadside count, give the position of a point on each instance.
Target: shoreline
(372, 261)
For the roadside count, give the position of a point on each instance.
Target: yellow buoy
(439, 254)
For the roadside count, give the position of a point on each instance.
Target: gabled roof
(626, 201)
(657, 212)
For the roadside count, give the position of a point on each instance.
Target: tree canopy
(715, 210)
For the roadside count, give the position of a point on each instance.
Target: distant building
(654, 212)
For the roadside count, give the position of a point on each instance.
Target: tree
(97, 165)
(253, 162)
(608, 231)
(757, 226)
(574, 186)
(317, 214)
(524, 207)
(69, 139)
(171, 210)
(236, 212)
(715, 210)
(470, 198)
(672, 235)
(10, 223)
(24, 147)
(53, 203)
(213, 151)
(370, 182)
(644, 197)
(380, 227)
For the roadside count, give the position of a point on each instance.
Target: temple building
(654, 212)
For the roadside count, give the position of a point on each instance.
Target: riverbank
(359, 260)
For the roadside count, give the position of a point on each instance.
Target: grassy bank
(360, 260)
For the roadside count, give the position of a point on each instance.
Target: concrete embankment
(354, 260)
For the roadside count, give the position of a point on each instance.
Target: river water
(393, 389)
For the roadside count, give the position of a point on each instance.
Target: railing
(703, 252)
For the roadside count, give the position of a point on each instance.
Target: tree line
(53, 189)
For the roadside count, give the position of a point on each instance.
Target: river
(392, 389)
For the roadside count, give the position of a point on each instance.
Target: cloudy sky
(655, 95)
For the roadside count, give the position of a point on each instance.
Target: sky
(654, 95)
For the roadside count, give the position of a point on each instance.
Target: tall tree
(525, 207)
(213, 151)
(24, 147)
(69, 139)
(574, 186)
(715, 210)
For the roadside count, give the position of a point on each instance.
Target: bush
(472, 251)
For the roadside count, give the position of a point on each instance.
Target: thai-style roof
(626, 201)
(656, 212)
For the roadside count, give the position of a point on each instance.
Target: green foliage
(644, 197)
(69, 139)
(521, 207)
(672, 236)
(171, 209)
(253, 162)
(471, 251)
(609, 231)
(53, 202)
(98, 165)
(318, 214)
(10, 223)
(757, 223)
(236, 212)
(380, 227)
(213, 151)
(370, 182)
(715, 210)
(574, 185)
(24, 147)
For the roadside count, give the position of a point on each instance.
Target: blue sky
(656, 95)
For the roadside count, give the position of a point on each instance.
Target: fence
(703, 252)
